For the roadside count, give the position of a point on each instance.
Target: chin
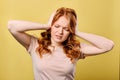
(58, 41)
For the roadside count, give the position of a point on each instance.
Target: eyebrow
(62, 26)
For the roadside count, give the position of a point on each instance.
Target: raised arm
(99, 44)
(18, 28)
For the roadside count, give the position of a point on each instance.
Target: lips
(58, 37)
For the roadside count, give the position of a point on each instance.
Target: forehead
(62, 21)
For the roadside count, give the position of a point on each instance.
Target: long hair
(71, 46)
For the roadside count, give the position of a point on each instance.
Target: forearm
(21, 26)
(98, 41)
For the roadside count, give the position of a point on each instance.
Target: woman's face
(60, 30)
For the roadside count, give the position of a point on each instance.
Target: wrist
(77, 32)
(44, 26)
(47, 26)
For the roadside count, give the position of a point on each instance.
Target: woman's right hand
(51, 19)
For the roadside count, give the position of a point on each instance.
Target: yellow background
(95, 16)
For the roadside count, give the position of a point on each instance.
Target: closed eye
(57, 26)
(66, 28)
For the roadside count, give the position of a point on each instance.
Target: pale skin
(59, 33)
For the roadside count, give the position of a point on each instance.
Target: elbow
(110, 46)
(10, 26)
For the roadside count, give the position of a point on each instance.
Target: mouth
(58, 37)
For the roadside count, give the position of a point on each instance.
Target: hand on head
(51, 18)
(76, 28)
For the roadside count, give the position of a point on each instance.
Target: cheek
(53, 29)
(66, 34)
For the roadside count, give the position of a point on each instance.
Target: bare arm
(99, 44)
(18, 28)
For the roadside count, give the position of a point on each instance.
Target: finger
(51, 18)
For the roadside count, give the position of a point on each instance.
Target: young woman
(55, 55)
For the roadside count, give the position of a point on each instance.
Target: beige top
(55, 66)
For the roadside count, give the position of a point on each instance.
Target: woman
(55, 55)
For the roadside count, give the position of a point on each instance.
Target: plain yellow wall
(95, 16)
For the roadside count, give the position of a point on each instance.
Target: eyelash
(66, 29)
(57, 26)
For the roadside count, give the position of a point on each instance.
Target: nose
(61, 30)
